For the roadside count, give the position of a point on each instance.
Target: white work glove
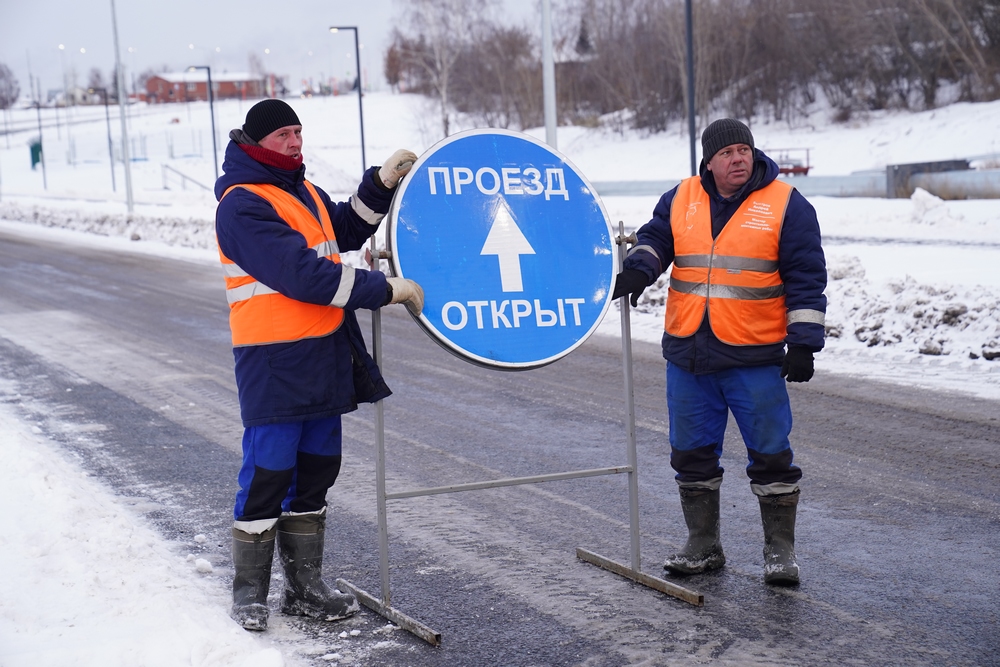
(397, 166)
(408, 292)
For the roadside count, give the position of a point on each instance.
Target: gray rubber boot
(703, 550)
(777, 513)
(252, 556)
(300, 546)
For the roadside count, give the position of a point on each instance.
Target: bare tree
(10, 90)
(146, 75)
(441, 28)
(392, 67)
(95, 79)
(497, 79)
(624, 61)
(113, 85)
(256, 66)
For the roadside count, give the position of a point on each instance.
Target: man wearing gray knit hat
(300, 358)
(730, 135)
(747, 280)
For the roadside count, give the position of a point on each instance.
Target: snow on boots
(300, 547)
(252, 556)
(777, 513)
(703, 550)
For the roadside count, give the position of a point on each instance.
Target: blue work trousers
(287, 467)
(699, 406)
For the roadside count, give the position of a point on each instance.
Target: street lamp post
(211, 111)
(548, 76)
(361, 113)
(122, 112)
(41, 145)
(107, 117)
(689, 30)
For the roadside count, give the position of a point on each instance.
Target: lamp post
(120, 84)
(690, 81)
(211, 111)
(66, 99)
(361, 113)
(41, 148)
(107, 117)
(548, 76)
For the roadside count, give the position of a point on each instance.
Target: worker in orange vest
(301, 361)
(747, 279)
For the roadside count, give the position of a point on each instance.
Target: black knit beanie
(724, 132)
(267, 116)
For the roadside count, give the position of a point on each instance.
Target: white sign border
(425, 324)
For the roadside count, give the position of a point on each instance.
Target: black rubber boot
(703, 550)
(777, 513)
(252, 556)
(300, 545)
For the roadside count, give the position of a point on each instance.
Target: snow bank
(89, 583)
(184, 232)
(909, 316)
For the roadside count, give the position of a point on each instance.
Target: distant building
(193, 86)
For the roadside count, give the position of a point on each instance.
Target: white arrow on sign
(506, 241)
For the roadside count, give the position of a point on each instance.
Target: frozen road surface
(897, 533)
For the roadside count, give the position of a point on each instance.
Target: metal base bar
(510, 481)
(399, 618)
(674, 590)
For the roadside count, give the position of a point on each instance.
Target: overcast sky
(181, 33)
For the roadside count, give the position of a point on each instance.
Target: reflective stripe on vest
(733, 278)
(258, 314)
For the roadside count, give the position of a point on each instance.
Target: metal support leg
(635, 571)
(383, 607)
(633, 476)
(373, 257)
(383, 525)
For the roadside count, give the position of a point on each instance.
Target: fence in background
(171, 173)
(896, 181)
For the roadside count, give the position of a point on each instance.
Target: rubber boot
(252, 556)
(300, 545)
(703, 550)
(777, 513)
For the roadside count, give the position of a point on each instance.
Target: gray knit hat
(724, 132)
(267, 116)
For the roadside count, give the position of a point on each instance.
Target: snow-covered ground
(914, 298)
(88, 582)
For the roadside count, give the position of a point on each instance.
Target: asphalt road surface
(898, 532)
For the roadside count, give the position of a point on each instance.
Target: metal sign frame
(383, 605)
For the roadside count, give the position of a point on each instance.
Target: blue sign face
(511, 245)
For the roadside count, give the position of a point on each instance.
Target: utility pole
(120, 76)
(690, 82)
(548, 75)
(41, 145)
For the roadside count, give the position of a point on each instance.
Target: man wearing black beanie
(747, 279)
(301, 361)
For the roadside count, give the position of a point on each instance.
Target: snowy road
(124, 361)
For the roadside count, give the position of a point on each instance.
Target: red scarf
(272, 158)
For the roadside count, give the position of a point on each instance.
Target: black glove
(630, 281)
(798, 364)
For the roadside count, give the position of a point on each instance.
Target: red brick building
(193, 86)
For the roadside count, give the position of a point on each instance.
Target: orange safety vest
(734, 277)
(259, 315)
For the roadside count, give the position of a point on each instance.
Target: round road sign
(511, 245)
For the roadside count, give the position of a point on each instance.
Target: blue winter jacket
(801, 264)
(315, 377)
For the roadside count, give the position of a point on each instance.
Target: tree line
(624, 61)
